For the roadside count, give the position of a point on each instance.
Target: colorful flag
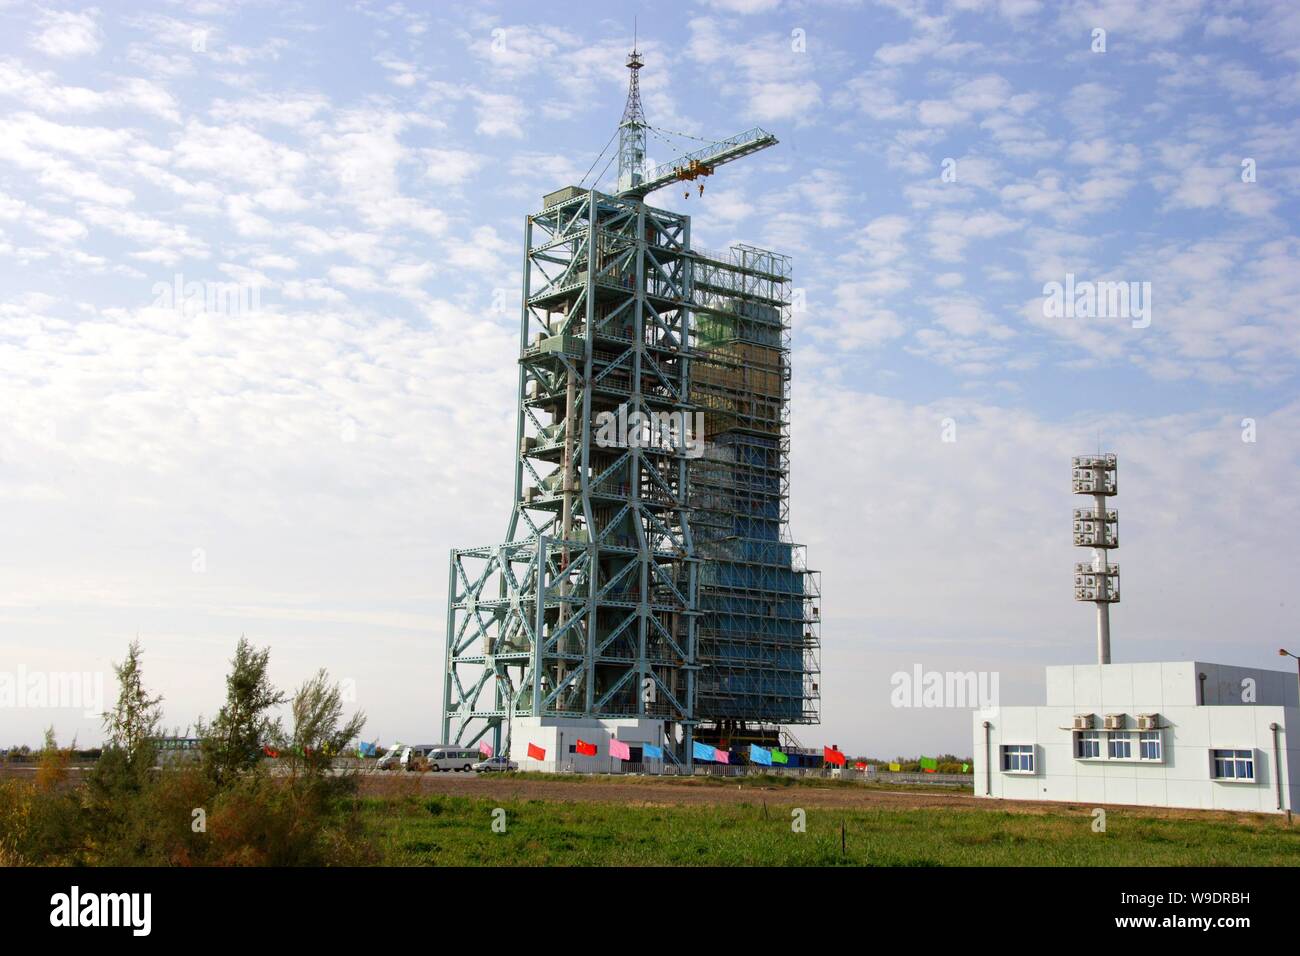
(619, 749)
(760, 756)
(652, 752)
(722, 756)
(584, 748)
(778, 757)
(366, 750)
(485, 748)
(895, 767)
(703, 751)
(535, 752)
(929, 764)
(861, 765)
(833, 757)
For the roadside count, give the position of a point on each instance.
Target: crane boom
(702, 161)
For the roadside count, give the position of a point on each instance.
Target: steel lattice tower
(632, 129)
(642, 578)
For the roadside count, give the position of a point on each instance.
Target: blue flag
(703, 752)
(651, 752)
(760, 756)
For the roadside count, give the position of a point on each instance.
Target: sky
(294, 461)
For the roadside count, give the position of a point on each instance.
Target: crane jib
(703, 161)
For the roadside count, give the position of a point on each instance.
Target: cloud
(282, 109)
(972, 98)
(1159, 21)
(40, 90)
(64, 34)
(237, 153)
(499, 114)
(950, 233)
(745, 7)
(779, 82)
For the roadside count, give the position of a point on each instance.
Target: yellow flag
(895, 767)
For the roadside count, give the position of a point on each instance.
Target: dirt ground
(670, 791)
(648, 791)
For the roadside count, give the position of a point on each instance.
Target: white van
(451, 758)
(396, 756)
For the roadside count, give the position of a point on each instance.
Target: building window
(1120, 747)
(1017, 758)
(1149, 745)
(1234, 764)
(1087, 744)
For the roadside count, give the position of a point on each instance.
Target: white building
(559, 736)
(1179, 734)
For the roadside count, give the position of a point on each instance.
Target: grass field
(754, 829)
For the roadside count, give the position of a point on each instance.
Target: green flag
(929, 763)
(965, 768)
(778, 757)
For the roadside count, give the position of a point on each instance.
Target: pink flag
(619, 749)
(485, 748)
(722, 756)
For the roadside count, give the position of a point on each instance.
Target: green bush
(227, 809)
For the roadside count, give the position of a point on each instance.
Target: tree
(233, 743)
(53, 762)
(132, 725)
(319, 731)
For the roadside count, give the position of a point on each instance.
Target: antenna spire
(631, 131)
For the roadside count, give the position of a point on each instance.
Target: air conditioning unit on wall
(1148, 721)
(1083, 721)
(1115, 721)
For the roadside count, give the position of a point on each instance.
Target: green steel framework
(603, 601)
(592, 607)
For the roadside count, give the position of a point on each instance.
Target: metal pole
(1103, 607)
(1277, 763)
(988, 762)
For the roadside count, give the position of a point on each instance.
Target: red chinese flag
(833, 756)
(536, 753)
(586, 749)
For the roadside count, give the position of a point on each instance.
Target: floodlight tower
(1097, 528)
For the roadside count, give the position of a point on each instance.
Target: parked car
(495, 763)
